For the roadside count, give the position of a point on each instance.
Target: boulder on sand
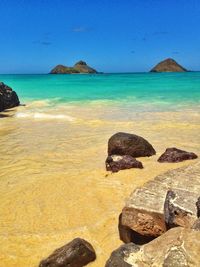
(176, 155)
(77, 253)
(129, 144)
(144, 211)
(116, 163)
(8, 97)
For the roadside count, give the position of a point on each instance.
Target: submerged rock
(176, 155)
(79, 67)
(144, 210)
(178, 247)
(116, 163)
(77, 253)
(129, 144)
(8, 97)
(168, 65)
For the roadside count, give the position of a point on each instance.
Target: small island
(168, 65)
(79, 67)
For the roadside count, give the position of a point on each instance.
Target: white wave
(38, 115)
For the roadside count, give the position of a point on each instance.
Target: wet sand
(53, 183)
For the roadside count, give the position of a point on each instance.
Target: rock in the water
(176, 155)
(61, 69)
(168, 65)
(117, 258)
(79, 67)
(179, 208)
(144, 209)
(8, 97)
(77, 253)
(129, 144)
(116, 163)
(178, 247)
(82, 67)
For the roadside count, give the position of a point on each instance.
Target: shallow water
(53, 183)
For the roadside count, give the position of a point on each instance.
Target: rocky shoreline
(163, 213)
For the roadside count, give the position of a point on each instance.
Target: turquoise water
(167, 89)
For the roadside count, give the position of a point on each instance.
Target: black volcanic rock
(176, 155)
(77, 253)
(116, 163)
(8, 97)
(79, 67)
(129, 144)
(168, 65)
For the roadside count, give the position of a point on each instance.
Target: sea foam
(44, 116)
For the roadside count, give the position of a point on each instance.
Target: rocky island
(79, 67)
(168, 65)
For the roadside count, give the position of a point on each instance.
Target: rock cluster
(79, 67)
(8, 97)
(168, 65)
(123, 148)
(164, 214)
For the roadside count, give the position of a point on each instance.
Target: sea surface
(53, 183)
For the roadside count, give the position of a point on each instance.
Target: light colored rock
(178, 247)
(144, 209)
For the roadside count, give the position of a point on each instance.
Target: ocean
(53, 182)
(159, 89)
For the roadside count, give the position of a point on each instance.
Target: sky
(110, 35)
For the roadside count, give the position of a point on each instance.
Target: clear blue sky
(111, 35)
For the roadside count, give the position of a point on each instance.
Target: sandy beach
(53, 183)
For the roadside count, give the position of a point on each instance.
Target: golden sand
(53, 183)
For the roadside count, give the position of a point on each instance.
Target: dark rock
(77, 253)
(168, 65)
(116, 163)
(79, 67)
(129, 144)
(176, 155)
(179, 208)
(198, 207)
(117, 258)
(8, 97)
